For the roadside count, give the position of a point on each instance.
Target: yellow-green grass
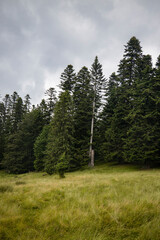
(104, 203)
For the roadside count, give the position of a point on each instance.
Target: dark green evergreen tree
(2, 134)
(98, 83)
(27, 103)
(138, 144)
(156, 113)
(7, 114)
(142, 144)
(83, 99)
(51, 101)
(19, 154)
(11, 112)
(17, 113)
(107, 132)
(40, 148)
(6, 125)
(128, 72)
(43, 106)
(59, 150)
(68, 78)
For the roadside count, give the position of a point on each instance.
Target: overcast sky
(39, 38)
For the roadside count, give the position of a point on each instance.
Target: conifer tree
(82, 97)
(27, 103)
(51, 101)
(43, 106)
(68, 78)
(128, 72)
(40, 148)
(11, 112)
(17, 113)
(2, 134)
(19, 154)
(7, 114)
(138, 144)
(156, 113)
(59, 150)
(108, 146)
(98, 84)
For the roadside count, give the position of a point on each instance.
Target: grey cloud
(40, 38)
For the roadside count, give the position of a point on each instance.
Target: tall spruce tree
(40, 148)
(139, 146)
(68, 78)
(51, 101)
(108, 144)
(11, 113)
(19, 154)
(59, 150)
(128, 72)
(43, 106)
(27, 103)
(156, 90)
(2, 134)
(83, 97)
(98, 84)
(7, 114)
(17, 113)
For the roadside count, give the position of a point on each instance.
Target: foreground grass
(104, 203)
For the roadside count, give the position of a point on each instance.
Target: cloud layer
(39, 38)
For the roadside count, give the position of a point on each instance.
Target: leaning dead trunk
(91, 151)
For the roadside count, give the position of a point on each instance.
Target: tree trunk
(91, 151)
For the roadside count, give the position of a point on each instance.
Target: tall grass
(104, 203)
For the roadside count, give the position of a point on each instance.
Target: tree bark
(91, 151)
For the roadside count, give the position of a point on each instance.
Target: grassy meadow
(104, 203)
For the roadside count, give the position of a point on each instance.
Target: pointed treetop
(83, 75)
(68, 79)
(96, 68)
(158, 62)
(133, 48)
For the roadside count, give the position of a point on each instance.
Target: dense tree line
(116, 120)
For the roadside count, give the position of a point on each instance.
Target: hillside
(104, 203)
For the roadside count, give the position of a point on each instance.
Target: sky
(39, 38)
